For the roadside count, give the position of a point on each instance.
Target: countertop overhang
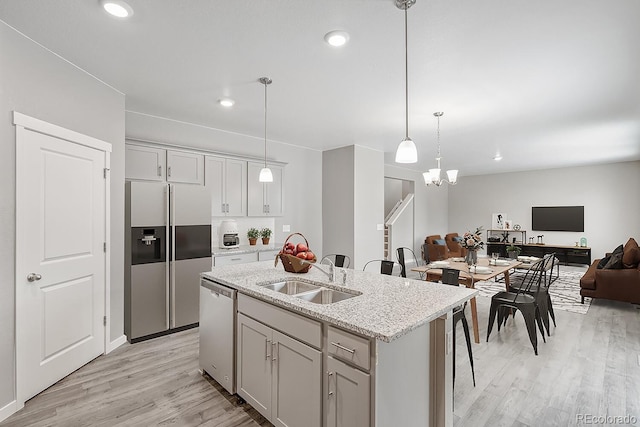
(388, 307)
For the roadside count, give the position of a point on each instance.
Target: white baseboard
(9, 409)
(116, 343)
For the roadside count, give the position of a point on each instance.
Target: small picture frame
(508, 225)
(497, 221)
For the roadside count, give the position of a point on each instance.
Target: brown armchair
(437, 250)
(455, 248)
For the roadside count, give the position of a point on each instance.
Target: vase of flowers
(472, 241)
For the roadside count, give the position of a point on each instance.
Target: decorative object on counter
(433, 175)
(472, 242)
(505, 237)
(583, 242)
(517, 227)
(540, 242)
(406, 151)
(292, 255)
(497, 221)
(253, 234)
(513, 251)
(265, 173)
(265, 233)
(508, 224)
(531, 240)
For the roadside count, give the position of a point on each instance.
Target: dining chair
(451, 276)
(386, 266)
(406, 255)
(541, 292)
(521, 300)
(338, 260)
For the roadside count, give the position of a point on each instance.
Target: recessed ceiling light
(117, 8)
(226, 102)
(337, 38)
(497, 157)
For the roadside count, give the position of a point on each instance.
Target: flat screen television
(557, 218)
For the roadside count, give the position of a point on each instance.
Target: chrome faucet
(330, 273)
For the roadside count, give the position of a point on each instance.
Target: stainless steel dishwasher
(217, 332)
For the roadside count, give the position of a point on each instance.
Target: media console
(565, 254)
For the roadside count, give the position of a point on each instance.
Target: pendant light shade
(265, 172)
(265, 175)
(406, 151)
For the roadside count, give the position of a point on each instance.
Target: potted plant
(253, 234)
(513, 251)
(265, 233)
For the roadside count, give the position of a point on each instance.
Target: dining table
(485, 269)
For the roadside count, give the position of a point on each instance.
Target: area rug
(564, 291)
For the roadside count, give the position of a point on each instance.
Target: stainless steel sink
(325, 296)
(291, 287)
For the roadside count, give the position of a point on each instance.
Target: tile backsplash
(244, 224)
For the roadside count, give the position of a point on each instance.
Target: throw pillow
(615, 262)
(603, 262)
(457, 239)
(439, 242)
(631, 254)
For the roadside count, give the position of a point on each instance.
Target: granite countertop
(246, 249)
(388, 307)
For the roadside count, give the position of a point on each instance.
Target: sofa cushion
(631, 254)
(615, 262)
(439, 242)
(458, 239)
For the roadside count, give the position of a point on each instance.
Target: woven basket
(292, 263)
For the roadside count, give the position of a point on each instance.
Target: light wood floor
(589, 365)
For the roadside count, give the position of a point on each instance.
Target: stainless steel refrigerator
(167, 246)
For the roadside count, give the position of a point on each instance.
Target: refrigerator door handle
(172, 285)
(167, 284)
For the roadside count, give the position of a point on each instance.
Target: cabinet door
(348, 395)
(297, 383)
(221, 260)
(214, 181)
(183, 167)
(254, 341)
(273, 193)
(256, 205)
(144, 163)
(236, 187)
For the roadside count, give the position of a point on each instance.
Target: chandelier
(433, 176)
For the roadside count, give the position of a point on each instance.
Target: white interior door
(60, 258)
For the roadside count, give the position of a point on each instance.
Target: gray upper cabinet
(145, 163)
(227, 180)
(264, 199)
(184, 167)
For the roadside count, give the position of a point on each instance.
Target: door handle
(168, 170)
(32, 277)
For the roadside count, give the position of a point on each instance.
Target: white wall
(368, 205)
(38, 83)
(302, 180)
(337, 201)
(392, 193)
(609, 194)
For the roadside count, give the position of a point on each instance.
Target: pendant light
(433, 176)
(406, 151)
(265, 172)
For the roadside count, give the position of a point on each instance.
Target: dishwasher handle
(218, 289)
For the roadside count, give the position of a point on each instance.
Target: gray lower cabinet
(278, 375)
(348, 395)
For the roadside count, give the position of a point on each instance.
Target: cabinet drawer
(349, 347)
(299, 327)
(267, 255)
(234, 259)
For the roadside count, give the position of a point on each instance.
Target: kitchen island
(379, 358)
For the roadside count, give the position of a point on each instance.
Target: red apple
(302, 255)
(290, 245)
(288, 251)
(302, 247)
(310, 255)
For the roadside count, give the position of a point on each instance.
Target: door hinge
(105, 170)
(104, 320)
(104, 247)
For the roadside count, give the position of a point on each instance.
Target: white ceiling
(547, 83)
